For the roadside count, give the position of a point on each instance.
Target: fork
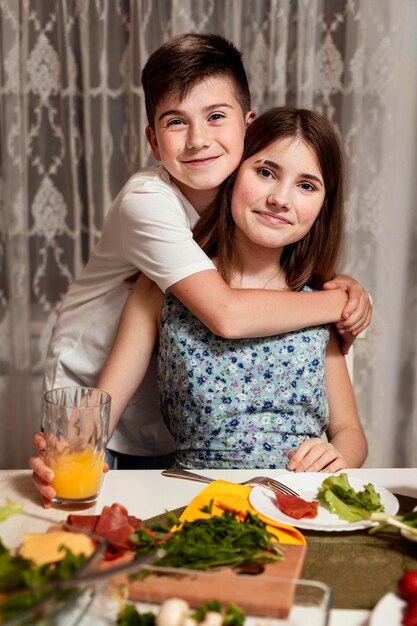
(175, 472)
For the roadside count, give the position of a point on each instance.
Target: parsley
(203, 544)
(129, 616)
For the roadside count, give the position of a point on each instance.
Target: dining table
(148, 494)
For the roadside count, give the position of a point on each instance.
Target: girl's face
(278, 194)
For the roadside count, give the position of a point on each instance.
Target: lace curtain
(72, 124)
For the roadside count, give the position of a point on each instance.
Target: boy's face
(200, 138)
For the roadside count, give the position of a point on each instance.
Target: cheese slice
(44, 548)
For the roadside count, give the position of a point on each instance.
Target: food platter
(306, 485)
(117, 562)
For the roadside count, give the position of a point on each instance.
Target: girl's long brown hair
(313, 259)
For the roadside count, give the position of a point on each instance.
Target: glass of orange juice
(76, 423)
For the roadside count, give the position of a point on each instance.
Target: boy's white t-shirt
(148, 228)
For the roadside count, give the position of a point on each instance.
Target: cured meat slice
(296, 507)
(83, 522)
(114, 524)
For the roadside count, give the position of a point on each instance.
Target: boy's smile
(200, 138)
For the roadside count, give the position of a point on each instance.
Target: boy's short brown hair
(186, 60)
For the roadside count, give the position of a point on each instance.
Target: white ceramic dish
(388, 611)
(306, 485)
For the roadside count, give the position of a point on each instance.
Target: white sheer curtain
(71, 132)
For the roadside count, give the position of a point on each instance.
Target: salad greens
(130, 616)
(19, 574)
(10, 508)
(221, 540)
(337, 494)
(232, 615)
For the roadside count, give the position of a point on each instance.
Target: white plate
(388, 611)
(307, 484)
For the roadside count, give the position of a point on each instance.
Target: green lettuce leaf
(10, 508)
(337, 494)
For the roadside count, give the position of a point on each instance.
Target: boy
(198, 106)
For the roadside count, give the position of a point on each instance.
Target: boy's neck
(199, 198)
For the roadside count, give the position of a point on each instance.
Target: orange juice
(77, 474)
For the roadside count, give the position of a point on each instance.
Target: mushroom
(212, 618)
(172, 612)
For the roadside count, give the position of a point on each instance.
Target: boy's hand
(42, 474)
(357, 313)
(316, 455)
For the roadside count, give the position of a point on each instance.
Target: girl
(255, 403)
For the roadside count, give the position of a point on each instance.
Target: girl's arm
(346, 446)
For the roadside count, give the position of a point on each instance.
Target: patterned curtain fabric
(72, 122)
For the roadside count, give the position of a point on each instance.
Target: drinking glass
(75, 423)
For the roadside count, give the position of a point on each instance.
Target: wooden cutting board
(259, 594)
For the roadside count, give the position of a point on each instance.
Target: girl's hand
(316, 455)
(42, 475)
(357, 313)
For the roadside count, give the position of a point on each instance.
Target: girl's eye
(216, 116)
(175, 122)
(265, 173)
(307, 186)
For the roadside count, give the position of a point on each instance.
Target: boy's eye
(175, 122)
(216, 116)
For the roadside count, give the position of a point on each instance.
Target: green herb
(208, 508)
(18, 574)
(201, 612)
(130, 616)
(203, 544)
(339, 497)
(232, 615)
(406, 522)
(9, 509)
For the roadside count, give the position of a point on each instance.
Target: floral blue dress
(241, 403)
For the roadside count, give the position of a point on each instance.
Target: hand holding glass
(76, 422)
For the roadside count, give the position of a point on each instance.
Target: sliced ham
(296, 507)
(83, 522)
(114, 524)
